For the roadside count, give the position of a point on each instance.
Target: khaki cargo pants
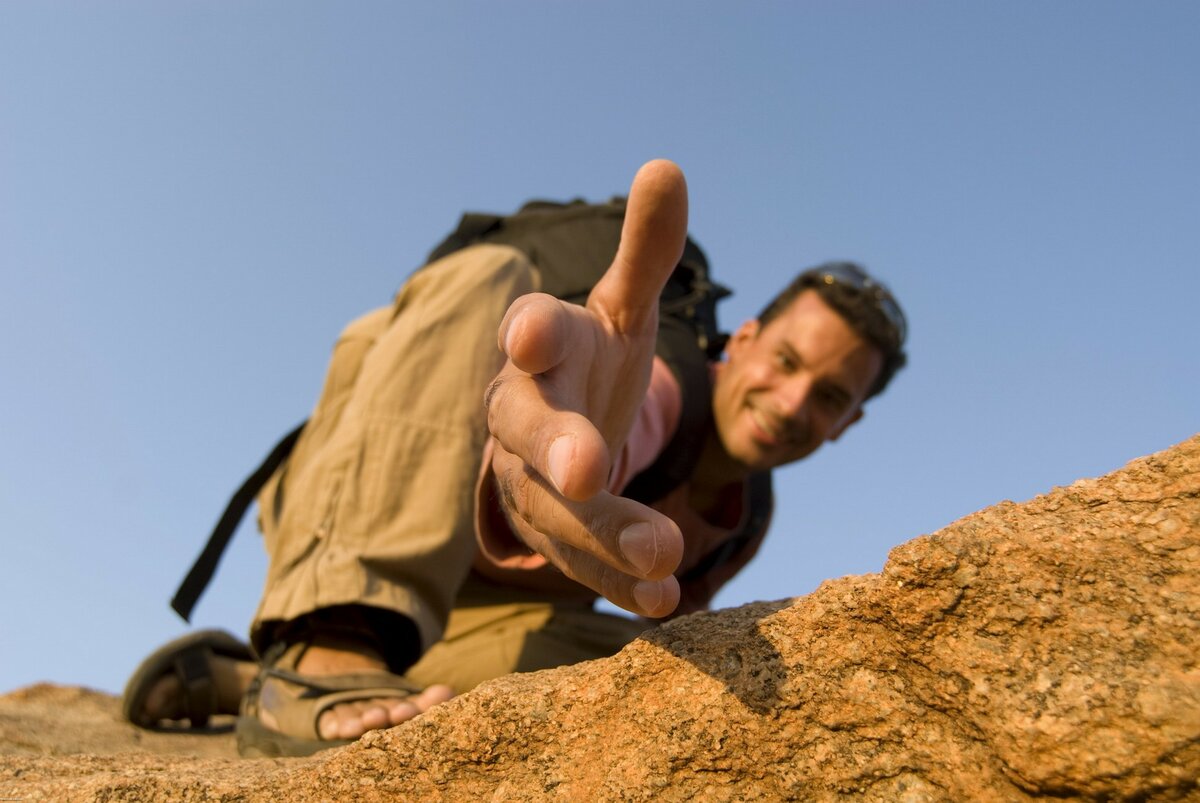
(375, 505)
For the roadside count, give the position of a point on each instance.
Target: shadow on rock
(732, 650)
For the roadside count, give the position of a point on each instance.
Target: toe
(328, 725)
(162, 701)
(375, 715)
(433, 695)
(352, 720)
(403, 711)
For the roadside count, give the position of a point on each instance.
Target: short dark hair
(867, 305)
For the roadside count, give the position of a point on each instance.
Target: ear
(850, 420)
(744, 334)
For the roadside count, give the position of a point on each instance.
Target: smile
(768, 426)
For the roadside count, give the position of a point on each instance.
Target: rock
(1042, 650)
(48, 720)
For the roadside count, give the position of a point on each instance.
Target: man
(404, 539)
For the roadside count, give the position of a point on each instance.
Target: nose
(793, 397)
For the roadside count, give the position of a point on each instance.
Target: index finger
(652, 240)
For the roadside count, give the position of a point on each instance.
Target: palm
(565, 402)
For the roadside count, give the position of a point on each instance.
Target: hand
(566, 399)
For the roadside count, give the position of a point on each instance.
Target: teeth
(764, 423)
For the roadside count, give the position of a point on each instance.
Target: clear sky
(196, 196)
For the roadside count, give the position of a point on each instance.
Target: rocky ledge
(1040, 650)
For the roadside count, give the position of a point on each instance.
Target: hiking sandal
(187, 657)
(297, 701)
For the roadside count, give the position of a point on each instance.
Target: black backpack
(572, 245)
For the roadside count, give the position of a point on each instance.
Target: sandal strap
(296, 701)
(199, 692)
(187, 659)
(352, 681)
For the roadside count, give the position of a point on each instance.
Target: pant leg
(374, 507)
(495, 631)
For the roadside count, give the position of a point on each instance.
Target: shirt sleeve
(655, 424)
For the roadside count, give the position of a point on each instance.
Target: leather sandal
(188, 658)
(296, 702)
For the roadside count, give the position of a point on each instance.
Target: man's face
(791, 385)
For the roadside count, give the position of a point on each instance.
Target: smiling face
(787, 387)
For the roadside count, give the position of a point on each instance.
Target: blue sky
(196, 196)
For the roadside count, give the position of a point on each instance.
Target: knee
(483, 271)
(367, 327)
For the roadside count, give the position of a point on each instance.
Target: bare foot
(165, 700)
(329, 655)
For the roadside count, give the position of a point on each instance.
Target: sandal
(188, 658)
(296, 702)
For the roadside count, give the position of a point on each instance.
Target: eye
(831, 399)
(785, 362)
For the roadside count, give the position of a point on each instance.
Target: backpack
(572, 245)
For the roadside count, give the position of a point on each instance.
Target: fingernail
(639, 546)
(559, 459)
(509, 337)
(648, 594)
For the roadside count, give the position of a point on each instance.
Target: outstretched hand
(564, 403)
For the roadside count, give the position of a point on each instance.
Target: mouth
(770, 430)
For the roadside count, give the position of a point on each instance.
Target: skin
(790, 386)
(324, 657)
(594, 395)
(230, 677)
(566, 399)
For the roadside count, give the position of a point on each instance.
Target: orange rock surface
(1049, 649)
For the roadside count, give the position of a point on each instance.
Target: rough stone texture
(1042, 650)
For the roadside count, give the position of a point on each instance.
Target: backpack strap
(572, 244)
(201, 573)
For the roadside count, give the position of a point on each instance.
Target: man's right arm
(565, 401)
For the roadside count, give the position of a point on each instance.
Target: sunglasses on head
(853, 277)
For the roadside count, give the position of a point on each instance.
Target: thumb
(652, 240)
